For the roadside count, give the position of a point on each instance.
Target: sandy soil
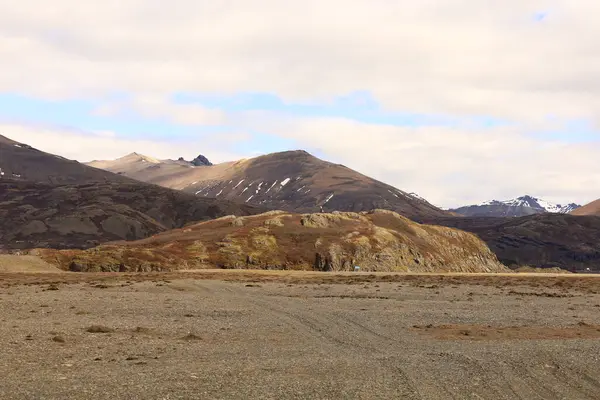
(12, 263)
(247, 335)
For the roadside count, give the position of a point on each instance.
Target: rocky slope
(82, 216)
(293, 181)
(375, 241)
(541, 240)
(519, 207)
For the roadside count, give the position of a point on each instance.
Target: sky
(460, 101)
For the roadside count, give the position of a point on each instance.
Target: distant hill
(519, 207)
(293, 181)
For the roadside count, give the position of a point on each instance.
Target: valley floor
(278, 335)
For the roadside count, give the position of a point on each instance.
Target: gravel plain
(263, 335)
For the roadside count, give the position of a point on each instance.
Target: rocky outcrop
(375, 241)
(200, 161)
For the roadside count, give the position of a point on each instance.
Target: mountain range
(48, 201)
(519, 207)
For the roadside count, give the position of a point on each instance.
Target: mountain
(19, 161)
(376, 241)
(519, 207)
(541, 240)
(48, 201)
(293, 181)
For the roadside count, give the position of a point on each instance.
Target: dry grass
(13, 263)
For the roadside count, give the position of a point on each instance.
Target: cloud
(468, 57)
(157, 107)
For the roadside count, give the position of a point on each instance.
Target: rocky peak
(201, 161)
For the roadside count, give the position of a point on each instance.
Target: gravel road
(166, 337)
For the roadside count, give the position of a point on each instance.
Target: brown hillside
(592, 208)
(293, 181)
(375, 241)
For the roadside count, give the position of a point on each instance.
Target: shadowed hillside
(543, 240)
(81, 216)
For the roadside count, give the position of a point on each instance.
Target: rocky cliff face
(375, 241)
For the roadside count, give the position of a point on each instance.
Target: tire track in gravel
(342, 333)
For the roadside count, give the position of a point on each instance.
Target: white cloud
(446, 56)
(157, 107)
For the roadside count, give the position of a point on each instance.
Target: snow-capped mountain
(519, 207)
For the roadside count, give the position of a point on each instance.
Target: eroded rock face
(375, 241)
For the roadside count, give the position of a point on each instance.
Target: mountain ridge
(294, 181)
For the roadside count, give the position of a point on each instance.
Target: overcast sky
(461, 101)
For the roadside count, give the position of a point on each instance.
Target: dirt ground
(277, 335)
